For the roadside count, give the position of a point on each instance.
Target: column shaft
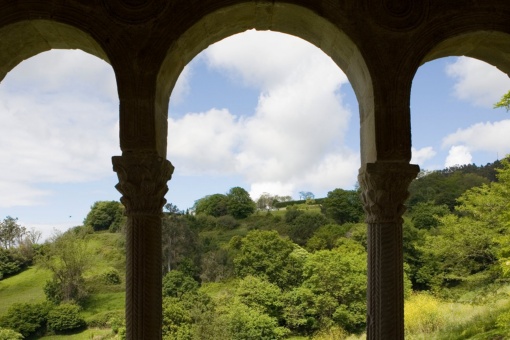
(142, 182)
(384, 191)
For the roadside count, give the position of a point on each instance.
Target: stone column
(142, 183)
(384, 191)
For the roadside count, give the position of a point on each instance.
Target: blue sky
(261, 110)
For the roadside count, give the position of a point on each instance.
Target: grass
(92, 333)
(25, 287)
(98, 303)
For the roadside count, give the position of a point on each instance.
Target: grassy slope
(106, 254)
(24, 287)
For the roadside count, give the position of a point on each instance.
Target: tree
(177, 283)
(213, 205)
(67, 257)
(11, 232)
(239, 203)
(304, 225)
(343, 206)
(105, 215)
(504, 102)
(180, 242)
(338, 279)
(305, 195)
(265, 254)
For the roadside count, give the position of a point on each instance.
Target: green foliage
(176, 284)
(227, 222)
(111, 277)
(65, 317)
(260, 294)
(105, 215)
(504, 102)
(442, 187)
(303, 226)
(267, 255)
(239, 203)
(180, 244)
(177, 320)
(67, 257)
(338, 280)
(9, 334)
(326, 237)
(10, 264)
(212, 205)
(26, 318)
(425, 215)
(245, 323)
(343, 206)
(460, 247)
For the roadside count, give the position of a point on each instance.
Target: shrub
(65, 317)
(9, 334)
(111, 277)
(26, 318)
(227, 222)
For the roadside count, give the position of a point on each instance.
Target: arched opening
(452, 240)
(59, 112)
(290, 19)
(292, 135)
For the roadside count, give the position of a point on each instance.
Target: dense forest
(234, 268)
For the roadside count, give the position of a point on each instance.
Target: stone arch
(492, 47)
(284, 18)
(24, 39)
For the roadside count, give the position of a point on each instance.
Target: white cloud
(458, 155)
(59, 114)
(489, 137)
(294, 140)
(420, 156)
(477, 82)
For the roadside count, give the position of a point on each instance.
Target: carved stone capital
(143, 178)
(385, 189)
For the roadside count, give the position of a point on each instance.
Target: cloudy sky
(265, 111)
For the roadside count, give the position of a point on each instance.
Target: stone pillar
(384, 191)
(142, 183)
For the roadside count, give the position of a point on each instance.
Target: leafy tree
(239, 203)
(338, 280)
(11, 232)
(305, 195)
(258, 293)
(267, 255)
(245, 323)
(213, 205)
(303, 226)
(425, 215)
(67, 257)
(105, 215)
(504, 102)
(326, 237)
(460, 247)
(176, 284)
(343, 206)
(65, 317)
(180, 243)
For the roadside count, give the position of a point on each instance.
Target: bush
(9, 334)
(227, 222)
(111, 277)
(26, 318)
(65, 317)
